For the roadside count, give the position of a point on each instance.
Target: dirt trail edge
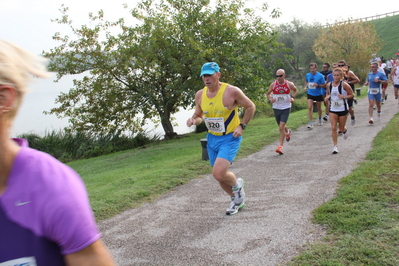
(188, 225)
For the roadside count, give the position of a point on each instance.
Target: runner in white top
(394, 77)
(338, 91)
(282, 100)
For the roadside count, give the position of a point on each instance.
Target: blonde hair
(17, 68)
(340, 71)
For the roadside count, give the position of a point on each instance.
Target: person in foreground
(374, 81)
(282, 101)
(45, 216)
(338, 92)
(217, 104)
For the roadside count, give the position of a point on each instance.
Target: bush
(67, 146)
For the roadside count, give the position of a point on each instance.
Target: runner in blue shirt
(313, 86)
(374, 81)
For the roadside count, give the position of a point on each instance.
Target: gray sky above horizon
(27, 23)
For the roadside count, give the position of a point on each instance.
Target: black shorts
(350, 102)
(318, 98)
(282, 115)
(343, 113)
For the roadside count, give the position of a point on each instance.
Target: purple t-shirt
(44, 211)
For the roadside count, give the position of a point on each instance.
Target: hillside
(387, 28)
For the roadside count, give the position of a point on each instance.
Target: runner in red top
(282, 101)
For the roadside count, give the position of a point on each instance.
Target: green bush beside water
(66, 146)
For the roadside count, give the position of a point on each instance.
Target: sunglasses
(341, 65)
(279, 76)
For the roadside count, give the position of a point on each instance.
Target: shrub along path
(187, 226)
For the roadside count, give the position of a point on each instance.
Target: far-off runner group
(217, 105)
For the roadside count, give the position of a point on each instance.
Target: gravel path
(187, 226)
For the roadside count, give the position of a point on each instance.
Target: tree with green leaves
(151, 70)
(299, 37)
(352, 41)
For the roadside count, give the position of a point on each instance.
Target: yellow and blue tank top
(218, 119)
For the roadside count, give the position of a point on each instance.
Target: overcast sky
(27, 23)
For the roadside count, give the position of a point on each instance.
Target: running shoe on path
(238, 201)
(346, 135)
(279, 150)
(335, 150)
(288, 135)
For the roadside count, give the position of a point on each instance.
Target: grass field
(387, 29)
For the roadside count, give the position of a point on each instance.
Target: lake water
(42, 95)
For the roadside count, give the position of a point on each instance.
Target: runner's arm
(95, 254)
(348, 90)
(293, 88)
(269, 92)
(353, 78)
(245, 102)
(196, 118)
(327, 92)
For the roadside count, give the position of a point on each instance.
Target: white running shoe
(325, 118)
(320, 122)
(233, 207)
(239, 194)
(346, 135)
(310, 126)
(353, 122)
(335, 150)
(238, 201)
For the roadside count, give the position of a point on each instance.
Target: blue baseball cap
(209, 68)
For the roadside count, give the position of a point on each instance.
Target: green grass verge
(387, 30)
(362, 220)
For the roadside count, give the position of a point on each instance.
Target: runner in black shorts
(351, 79)
(338, 92)
(313, 86)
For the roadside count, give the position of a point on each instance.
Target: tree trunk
(167, 127)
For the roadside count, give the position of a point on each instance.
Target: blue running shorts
(225, 147)
(377, 97)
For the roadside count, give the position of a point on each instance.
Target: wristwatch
(244, 126)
